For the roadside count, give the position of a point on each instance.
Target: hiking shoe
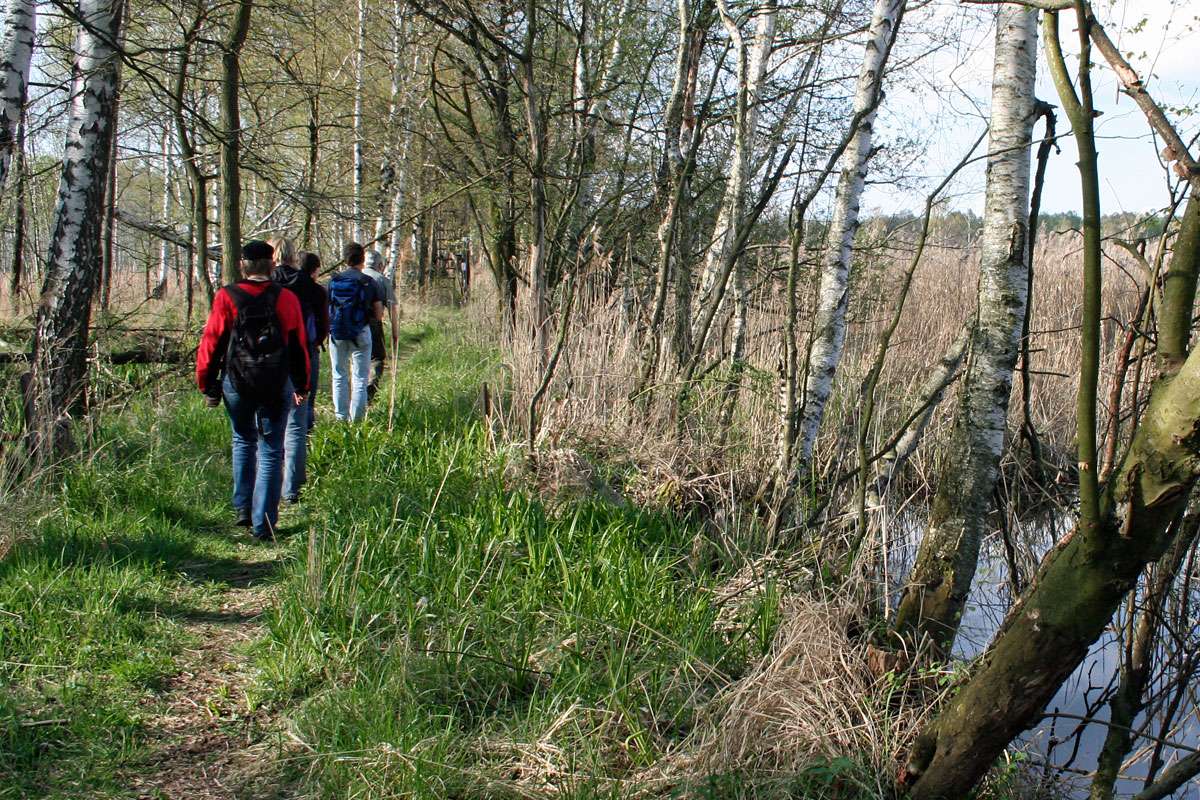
(263, 535)
(294, 500)
(243, 518)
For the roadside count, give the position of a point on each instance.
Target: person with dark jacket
(295, 440)
(353, 302)
(254, 355)
(310, 263)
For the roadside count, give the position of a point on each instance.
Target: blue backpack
(349, 305)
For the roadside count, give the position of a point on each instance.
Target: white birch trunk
(941, 578)
(164, 247)
(591, 104)
(360, 56)
(829, 328)
(730, 217)
(16, 51)
(74, 254)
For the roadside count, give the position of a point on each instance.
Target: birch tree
(941, 578)
(59, 367)
(164, 247)
(829, 325)
(752, 70)
(16, 51)
(1136, 514)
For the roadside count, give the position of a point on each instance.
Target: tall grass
(590, 397)
(451, 636)
(113, 553)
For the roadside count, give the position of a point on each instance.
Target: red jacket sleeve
(210, 356)
(291, 319)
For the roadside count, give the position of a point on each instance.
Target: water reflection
(1068, 741)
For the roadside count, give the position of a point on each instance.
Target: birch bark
(164, 247)
(59, 364)
(941, 578)
(16, 51)
(829, 328)
(730, 217)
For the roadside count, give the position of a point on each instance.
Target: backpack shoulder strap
(238, 295)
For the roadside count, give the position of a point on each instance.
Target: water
(1063, 746)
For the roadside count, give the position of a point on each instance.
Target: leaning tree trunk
(937, 590)
(1072, 599)
(231, 184)
(16, 50)
(59, 366)
(829, 325)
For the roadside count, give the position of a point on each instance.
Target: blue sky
(943, 101)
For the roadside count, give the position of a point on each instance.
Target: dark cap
(257, 250)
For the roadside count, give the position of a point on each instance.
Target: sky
(942, 103)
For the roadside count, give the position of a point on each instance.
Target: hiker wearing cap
(354, 300)
(311, 296)
(387, 293)
(254, 355)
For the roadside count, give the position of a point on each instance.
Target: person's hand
(299, 398)
(212, 401)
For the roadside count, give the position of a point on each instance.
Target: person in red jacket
(254, 355)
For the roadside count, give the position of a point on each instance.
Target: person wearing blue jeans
(350, 360)
(354, 300)
(258, 433)
(253, 355)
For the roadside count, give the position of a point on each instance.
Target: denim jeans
(314, 364)
(295, 439)
(351, 362)
(257, 455)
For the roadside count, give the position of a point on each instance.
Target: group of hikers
(260, 355)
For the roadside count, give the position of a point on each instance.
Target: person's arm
(322, 316)
(377, 309)
(291, 319)
(213, 343)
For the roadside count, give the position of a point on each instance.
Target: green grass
(441, 623)
(437, 634)
(94, 597)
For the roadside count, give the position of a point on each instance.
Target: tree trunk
(829, 324)
(1071, 600)
(164, 247)
(108, 252)
(197, 182)
(17, 268)
(737, 179)
(360, 55)
(937, 589)
(16, 51)
(231, 185)
(59, 370)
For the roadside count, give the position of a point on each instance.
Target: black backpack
(256, 361)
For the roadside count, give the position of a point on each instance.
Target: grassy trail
(425, 628)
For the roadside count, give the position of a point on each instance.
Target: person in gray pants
(387, 291)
